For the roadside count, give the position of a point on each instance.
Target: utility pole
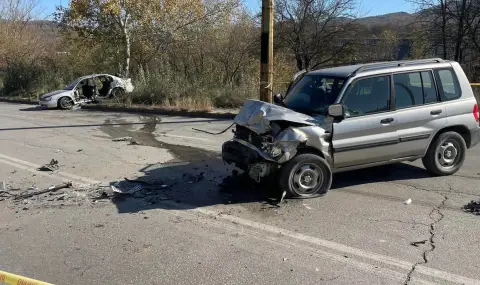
(266, 56)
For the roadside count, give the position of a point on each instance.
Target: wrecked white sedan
(87, 89)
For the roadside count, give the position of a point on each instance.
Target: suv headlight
(274, 151)
(49, 98)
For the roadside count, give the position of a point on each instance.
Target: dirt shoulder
(156, 110)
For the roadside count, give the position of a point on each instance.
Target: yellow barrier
(13, 279)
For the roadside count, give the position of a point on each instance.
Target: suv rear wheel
(306, 176)
(446, 154)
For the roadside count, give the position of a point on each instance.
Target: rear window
(448, 84)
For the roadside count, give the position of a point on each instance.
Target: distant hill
(400, 19)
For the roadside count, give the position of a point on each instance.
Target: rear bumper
(475, 137)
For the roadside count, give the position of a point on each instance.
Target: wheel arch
(304, 149)
(64, 96)
(460, 129)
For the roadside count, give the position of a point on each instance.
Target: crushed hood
(53, 93)
(257, 115)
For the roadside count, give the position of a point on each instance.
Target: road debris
(123, 139)
(283, 197)
(117, 189)
(417, 243)
(136, 181)
(3, 187)
(473, 207)
(408, 202)
(51, 189)
(307, 207)
(77, 106)
(52, 166)
(285, 259)
(80, 150)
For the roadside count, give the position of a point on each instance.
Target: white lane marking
(31, 167)
(182, 137)
(383, 259)
(19, 166)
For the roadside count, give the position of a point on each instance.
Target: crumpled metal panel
(257, 115)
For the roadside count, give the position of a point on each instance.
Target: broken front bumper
(239, 154)
(48, 104)
(248, 158)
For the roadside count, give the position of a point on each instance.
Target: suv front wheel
(446, 154)
(306, 176)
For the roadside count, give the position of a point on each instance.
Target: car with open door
(87, 89)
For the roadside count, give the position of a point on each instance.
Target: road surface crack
(413, 222)
(451, 190)
(436, 215)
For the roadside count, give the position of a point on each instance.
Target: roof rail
(374, 65)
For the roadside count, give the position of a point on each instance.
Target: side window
(447, 84)
(408, 89)
(367, 96)
(429, 90)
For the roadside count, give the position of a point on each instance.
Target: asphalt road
(196, 232)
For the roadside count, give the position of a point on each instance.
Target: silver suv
(357, 116)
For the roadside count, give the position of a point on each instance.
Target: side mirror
(277, 99)
(336, 111)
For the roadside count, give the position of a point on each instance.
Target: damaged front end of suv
(268, 137)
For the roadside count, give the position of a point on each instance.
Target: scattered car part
(51, 189)
(215, 134)
(52, 166)
(122, 139)
(416, 243)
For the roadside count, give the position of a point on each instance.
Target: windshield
(313, 94)
(72, 85)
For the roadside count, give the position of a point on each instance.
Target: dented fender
(310, 136)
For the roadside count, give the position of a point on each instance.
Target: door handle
(386, 121)
(435, 112)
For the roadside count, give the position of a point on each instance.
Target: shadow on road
(34, 109)
(209, 182)
(386, 173)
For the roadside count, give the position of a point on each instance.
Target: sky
(367, 7)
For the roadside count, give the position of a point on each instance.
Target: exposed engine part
(236, 153)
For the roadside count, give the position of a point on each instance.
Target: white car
(86, 89)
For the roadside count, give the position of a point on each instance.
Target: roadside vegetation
(204, 54)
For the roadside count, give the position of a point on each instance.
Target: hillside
(394, 19)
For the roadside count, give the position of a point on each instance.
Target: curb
(138, 110)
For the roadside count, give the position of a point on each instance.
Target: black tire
(65, 103)
(309, 164)
(446, 154)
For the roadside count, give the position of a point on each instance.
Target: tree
(150, 23)
(435, 19)
(316, 31)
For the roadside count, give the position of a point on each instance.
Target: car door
(419, 112)
(368, 134)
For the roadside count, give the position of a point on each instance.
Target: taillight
(475, 112)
